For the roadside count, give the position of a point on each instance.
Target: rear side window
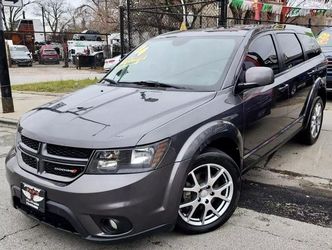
(310, 45)
(291, 49)
(262, 52)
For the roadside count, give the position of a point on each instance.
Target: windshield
(325, 39)
(49, 52)
(189, 62)
(18, 49)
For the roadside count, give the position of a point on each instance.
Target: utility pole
(6, 91)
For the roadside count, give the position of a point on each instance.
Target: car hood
(108, 117)
(20, 56)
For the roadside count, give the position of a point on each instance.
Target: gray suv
(164, 138)
(88, 35)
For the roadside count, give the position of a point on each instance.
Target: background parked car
(325, 41)
(110, 63)
(88, 35)
(20, 55)
(48, 55)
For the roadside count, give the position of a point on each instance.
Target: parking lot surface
(285, 204)
(42, 73)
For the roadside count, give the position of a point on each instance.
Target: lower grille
(29, 160)
(62, 170)
(49, 218)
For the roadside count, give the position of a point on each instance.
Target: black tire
(306, 136)
(213, 156)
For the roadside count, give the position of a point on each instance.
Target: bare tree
(12, 14)
(103, 15)
(56, 13)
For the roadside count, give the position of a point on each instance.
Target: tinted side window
(262, 52)
(310, 45)
(291, 49)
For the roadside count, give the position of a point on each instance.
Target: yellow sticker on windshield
(138, 55)
(324, 38)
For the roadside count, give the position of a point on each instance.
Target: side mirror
(257, 77)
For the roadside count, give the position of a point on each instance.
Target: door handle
(283, 88)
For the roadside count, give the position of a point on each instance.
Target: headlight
(17, 135)
(140, 159)
(11, 154)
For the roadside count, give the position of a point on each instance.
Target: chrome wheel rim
(316, 120)
(207, 194)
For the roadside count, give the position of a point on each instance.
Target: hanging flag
(267, 7)
(276, 9)
(237, 3)
(247, 5)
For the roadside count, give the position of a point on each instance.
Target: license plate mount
(33, 197)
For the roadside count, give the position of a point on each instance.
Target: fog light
(113, 224)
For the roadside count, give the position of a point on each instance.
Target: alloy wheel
(316, 120)
(207, 194)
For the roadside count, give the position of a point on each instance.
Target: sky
(29, 12)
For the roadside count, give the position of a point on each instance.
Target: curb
(8, 122)
(310, 184)
(40, 93)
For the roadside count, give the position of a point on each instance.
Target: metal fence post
(222, 21)
(129, 23)
(122, 41)
(6, 91)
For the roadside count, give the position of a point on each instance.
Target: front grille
(29, 160)
(30, 142)
(329, 63)
(54, 162)
(79, 153)
(63, 170)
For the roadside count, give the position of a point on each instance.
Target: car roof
(241, 30)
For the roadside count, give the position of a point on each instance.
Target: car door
(265, 108)
(302, 68)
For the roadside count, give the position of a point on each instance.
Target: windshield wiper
(154, 84)
(110, 81)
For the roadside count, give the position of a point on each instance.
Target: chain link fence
(141, 22)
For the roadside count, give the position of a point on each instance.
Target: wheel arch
(318, 89)
(222, 135)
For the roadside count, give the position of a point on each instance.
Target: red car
(48, 55)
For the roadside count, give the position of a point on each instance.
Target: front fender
(208, 133)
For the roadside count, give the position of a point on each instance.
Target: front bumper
(50, 60)
(148, 201)
(22, 62)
